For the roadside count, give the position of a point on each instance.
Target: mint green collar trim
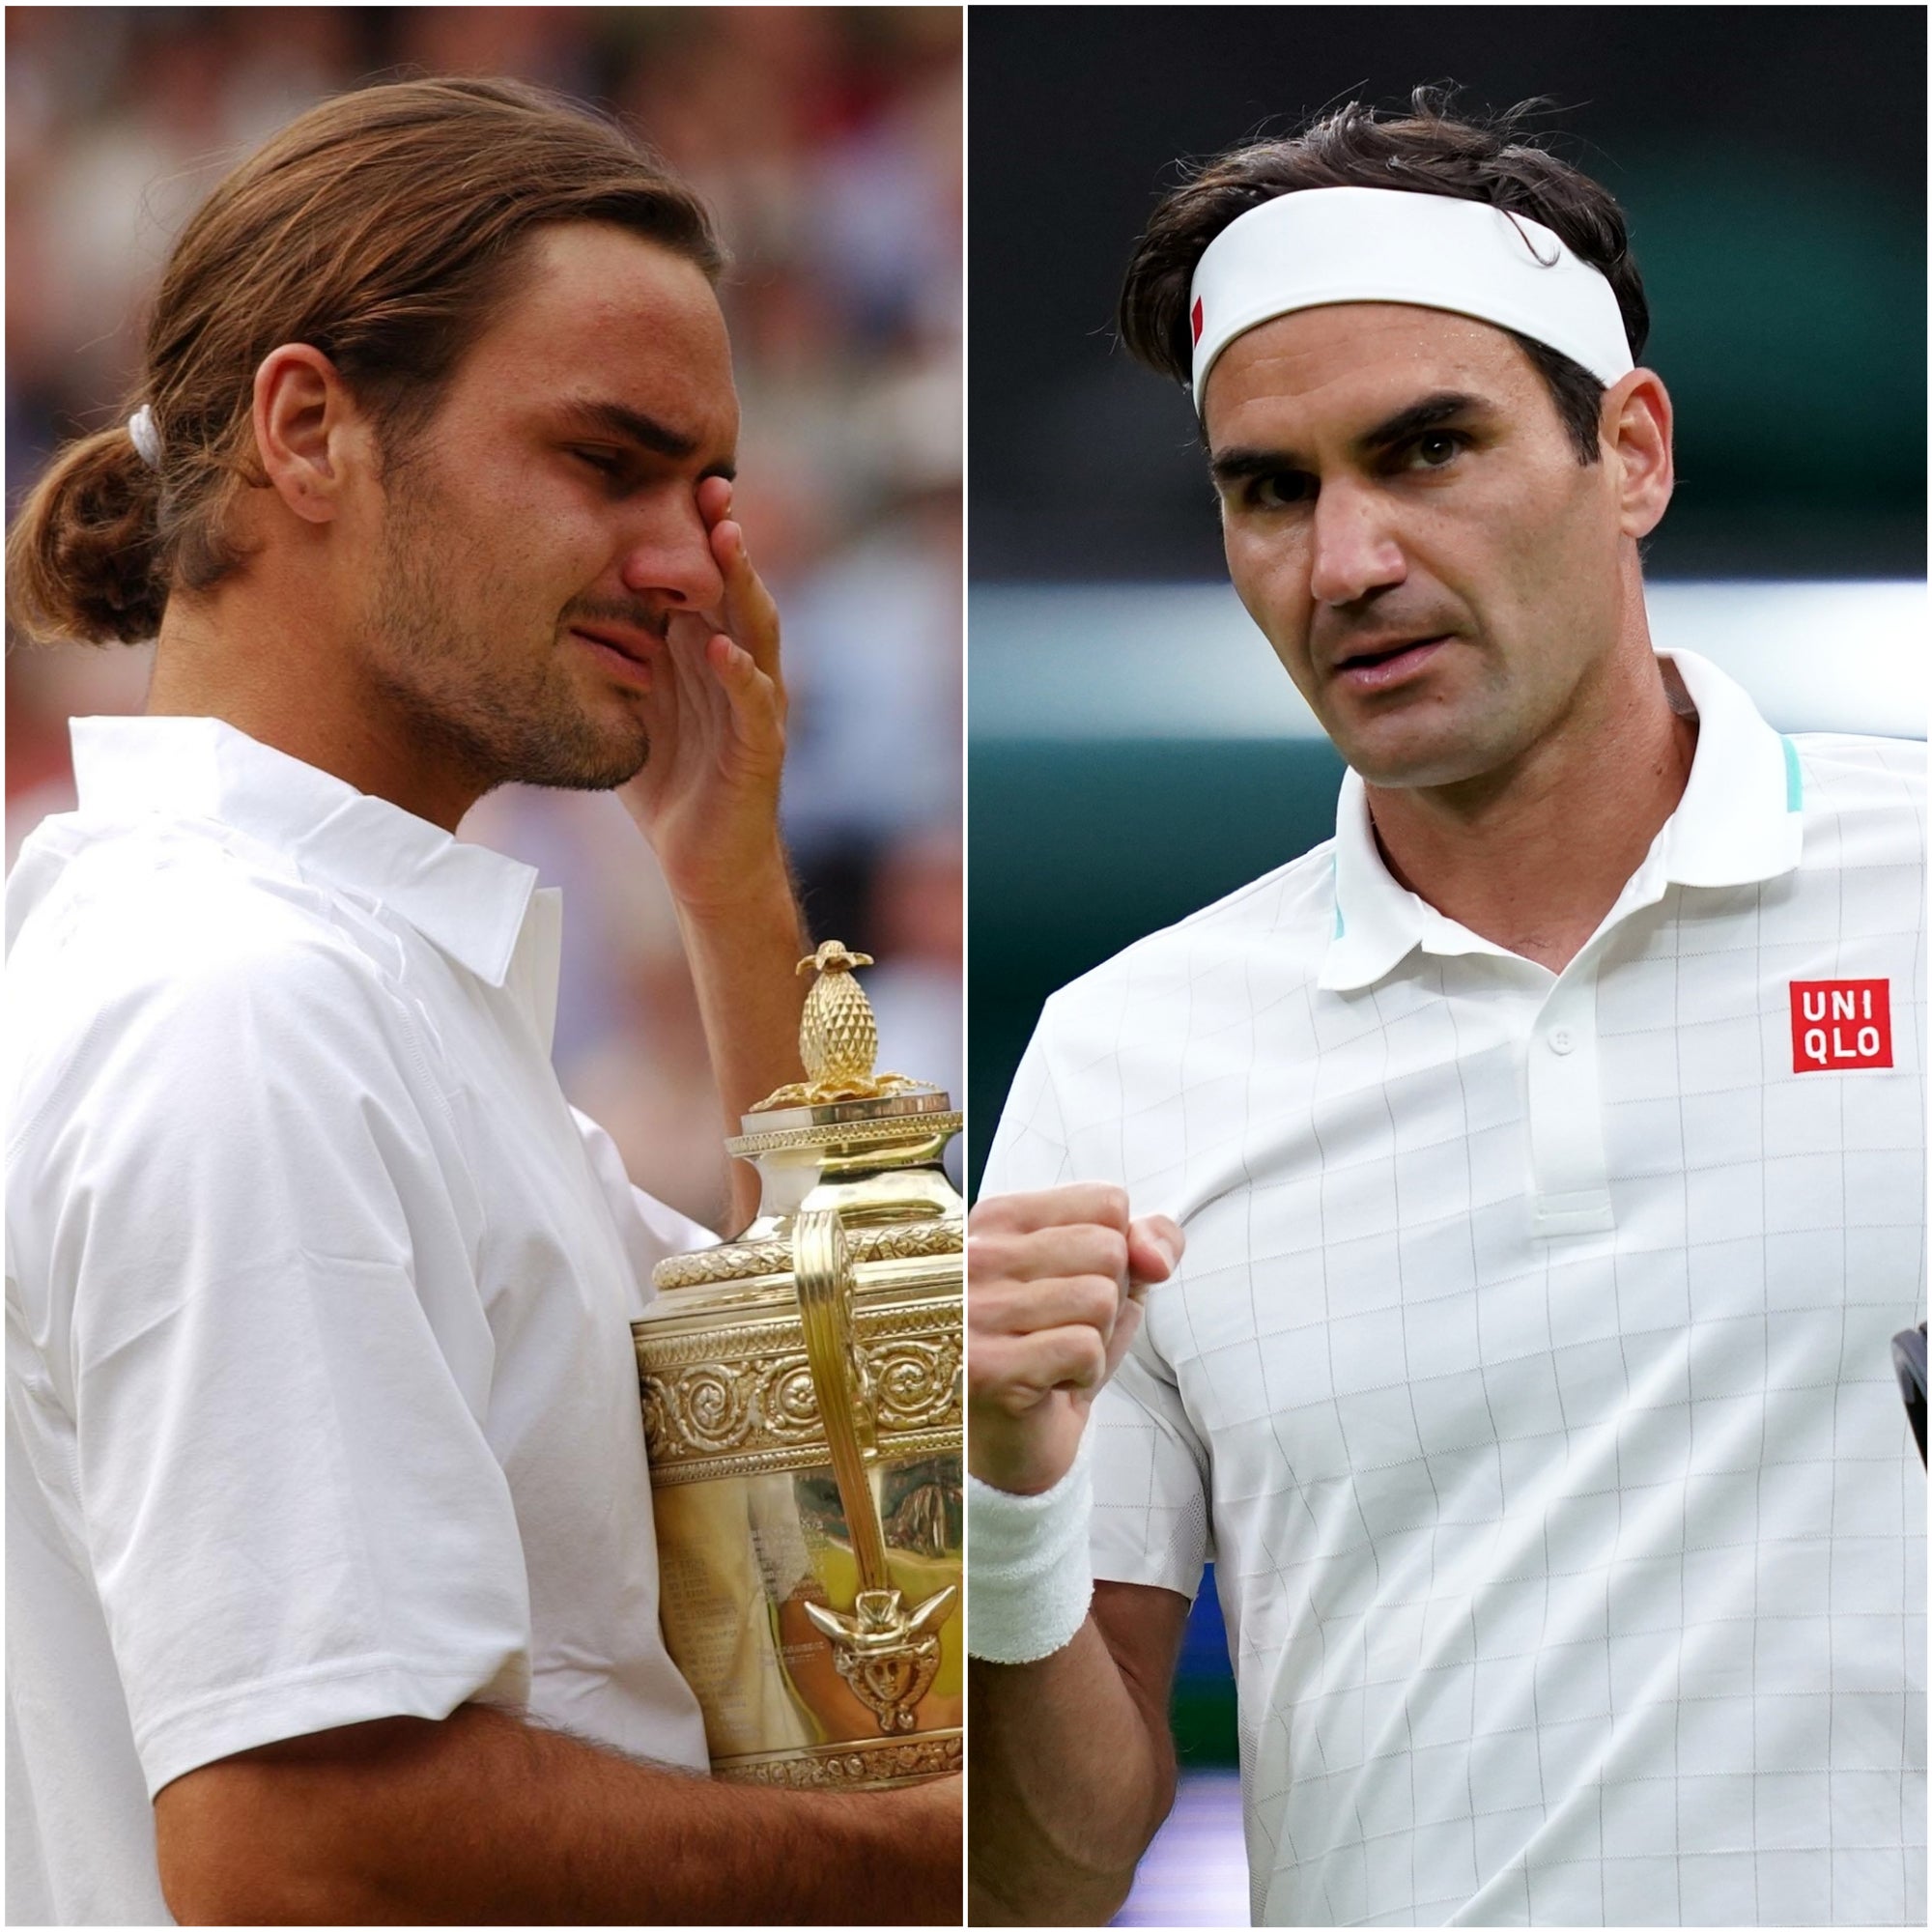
(1794, 778)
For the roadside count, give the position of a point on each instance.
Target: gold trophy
(801, 1388)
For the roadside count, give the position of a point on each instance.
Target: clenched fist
(1054, 1283)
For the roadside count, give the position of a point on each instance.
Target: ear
(308, 432)
(1637, 431)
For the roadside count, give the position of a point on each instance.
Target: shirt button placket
(1566, 1122)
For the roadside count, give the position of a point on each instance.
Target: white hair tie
(1318, 246)
(145, 436)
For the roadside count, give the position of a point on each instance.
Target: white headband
(1348, 244)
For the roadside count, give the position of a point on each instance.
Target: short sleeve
(246, 1271)
(1151, 1488)
(652, 1232)
(1150, 1479)
(1029, 1150)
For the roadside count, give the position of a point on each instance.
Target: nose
(1356, 551)
(669, 558)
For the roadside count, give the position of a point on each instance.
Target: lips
(630, 644)
(622, 652)
(1388, 662)
(1382, 653)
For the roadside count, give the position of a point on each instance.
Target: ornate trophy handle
(889, 1655)
(823, 1271)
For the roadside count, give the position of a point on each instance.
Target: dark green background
(1772, 164)
(1772, 161)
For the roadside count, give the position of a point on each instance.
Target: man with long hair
(331, 1586)
(1547, 1149)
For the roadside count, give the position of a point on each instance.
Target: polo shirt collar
(469, 902)
(1740, 820)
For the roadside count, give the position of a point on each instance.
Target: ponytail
(82, 553)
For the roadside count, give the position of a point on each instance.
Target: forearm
(486, 1820)
(744, 963)
(1073, 1759)
(1072, 1772)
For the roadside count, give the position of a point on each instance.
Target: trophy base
(849, 1767)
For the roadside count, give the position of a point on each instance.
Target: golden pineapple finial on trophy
(838, 1039)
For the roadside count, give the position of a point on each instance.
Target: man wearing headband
(333, 1594)
(1482, 1236)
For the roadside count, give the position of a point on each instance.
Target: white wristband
(1031, 1571)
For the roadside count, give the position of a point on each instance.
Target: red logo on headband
(1197, 321)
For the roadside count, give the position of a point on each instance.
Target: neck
(1533, 856)
(286, 688)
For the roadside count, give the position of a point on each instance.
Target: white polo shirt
(321, 1401)
(1528, 1373)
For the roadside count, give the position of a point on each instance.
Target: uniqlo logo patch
(1197, 321)
(1840, 1023)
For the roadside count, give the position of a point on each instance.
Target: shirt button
(1561, 1039)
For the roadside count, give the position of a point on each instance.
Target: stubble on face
(1507, 551)
(497, 708)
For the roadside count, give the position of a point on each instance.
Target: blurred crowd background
(828, 142)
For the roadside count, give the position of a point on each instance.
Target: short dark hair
(1428, 151)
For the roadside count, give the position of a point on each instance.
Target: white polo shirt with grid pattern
(1528, 1373)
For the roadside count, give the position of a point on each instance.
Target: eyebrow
(1230, 466)
(619, 419)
